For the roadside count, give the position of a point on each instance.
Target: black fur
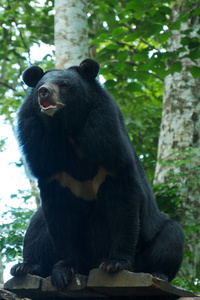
(121, 228)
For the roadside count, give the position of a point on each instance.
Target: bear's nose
(44, 91)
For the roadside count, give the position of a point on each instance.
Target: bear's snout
(48, 99)
(44, 91)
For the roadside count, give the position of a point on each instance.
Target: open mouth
(46, 104)
(49, 107)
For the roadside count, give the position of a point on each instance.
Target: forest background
(150, 62)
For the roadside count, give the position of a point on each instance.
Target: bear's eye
(64, 85)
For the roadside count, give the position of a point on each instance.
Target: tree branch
(125, 44)
(7, 85)
(129, 27)
(21, 35)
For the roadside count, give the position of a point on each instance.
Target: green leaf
(194, 43)
(142, 55)
(126, 19)
(135, 5)
(122, 55)
(109, 84)
(196, 12)
(112, 47)
(176, 25)
(195, 71)
(143, 67)
(176, 67)
(164, 36)
(189, 3)
(185, 40)
(152, 11)
(153, 29)
(132, 36)
(118, 31)
(134, 87)
(194, 54)
(138, 15)
(166, 10)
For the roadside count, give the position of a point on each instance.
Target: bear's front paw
(61, 275)
(115, 265)
(25, 268)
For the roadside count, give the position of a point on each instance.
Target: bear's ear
(90, 68)
(32, 75)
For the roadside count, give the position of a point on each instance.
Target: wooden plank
(99, 284)
(128, 284)
(23, 282)
(189, 298)
(77, 288)
(5, 295)
(25, 286)
(38, 288)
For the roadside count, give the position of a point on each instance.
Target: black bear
(97, 206)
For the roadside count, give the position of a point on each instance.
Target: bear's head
(55, 90)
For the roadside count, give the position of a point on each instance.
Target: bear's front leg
(62, 274)
(66, 257)
(122, 215)
(63, 239)
(115, 265)
(121, 254)
(62, 222)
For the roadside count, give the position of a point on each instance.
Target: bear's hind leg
(162, 257)
(38, 253)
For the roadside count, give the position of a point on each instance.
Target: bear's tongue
(46, 104)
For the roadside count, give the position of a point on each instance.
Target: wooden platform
(97, 285)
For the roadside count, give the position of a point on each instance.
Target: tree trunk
(180, 129)
(71, 36)
(1, 272)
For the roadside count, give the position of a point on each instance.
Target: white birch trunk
(180, 128)
(71, 35)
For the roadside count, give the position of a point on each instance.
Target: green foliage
(184, 174)
(127, 36)
(12, 232)
(22, 24)
(173, 198)
(131, 44)
(187, 283)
